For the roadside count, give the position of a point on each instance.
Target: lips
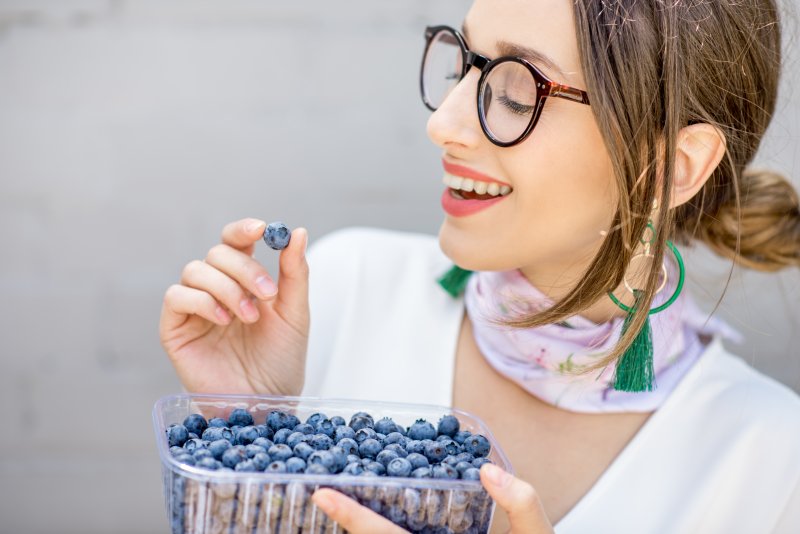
(460, 203)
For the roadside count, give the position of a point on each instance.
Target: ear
(698, 152)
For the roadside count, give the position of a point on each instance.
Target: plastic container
(200, 501)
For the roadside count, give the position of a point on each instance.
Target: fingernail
(496, 476)
(223, 315)
(248, 310)
(254, 225)
(326, 502)
(266, 287)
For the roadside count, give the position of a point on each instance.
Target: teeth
(468, 184)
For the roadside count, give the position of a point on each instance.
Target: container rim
(205, 475)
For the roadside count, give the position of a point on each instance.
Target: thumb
(293, 278)
(518, 498)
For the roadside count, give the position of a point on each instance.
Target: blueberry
(240, 417)
(246, 435)
(415, 445)
(375, 467)
(217, 448)
(264, 431)
(321, 442)
(396, 447)
(276, 467)
(193, 444)
(263, 442)
(317, 469)
(353, 458)
(246, 465)
(421, 472)
(395, 437)
(421, 429)
(464, 457)
(208, 463)
(177, 435)
(305, 428)
(385, 457)
(233, 456)
(252, 450)
(384, 426)
(315, 418)
(214, 433)
(477, 445)
(192, 435)
(417, 460)
(277, 420)
(353, 468)
(463, 466)
(448, 425)
(361, 420)
(324, 458)
(478, 462)
(461, 436)
(369, 448)
(349, 445)
(338, 421)
(435, 452)
(325, 427)
(444, 471)
(201, 453)
(396, 514)
(339, 458)
(185, 459)
(217, 422)
(277, 235)
(195, 423)
(281, 435)
(280, 452)
(175, 450)
(369, 474)
(452, 447)
(292, 421)
(471, 474)
(399, 467)
(342, 432)
(295, 465)
(365, 433)
(303, 450)
(450, 460)
(261, 461)
(295, 438)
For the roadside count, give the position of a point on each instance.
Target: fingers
(243, 269)
(243, 234)
(293, 281)
(352, 516)
(518, 498)
(200, 275)
(181, 301)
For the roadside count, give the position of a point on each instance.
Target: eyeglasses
(511, 90)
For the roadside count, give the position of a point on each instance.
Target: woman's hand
(227, 327)
(517, 498)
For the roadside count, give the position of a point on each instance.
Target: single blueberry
(277, 235)
(477, 445)
(450, 460)
(342, 432)
(471, 474)
(177, 435)
(444, 471)
(217, 448)
(369, 448)
(385, 457)
(214, 433)
(281, 435)
(324, 458)
(325, 427)
(217, 422)
(264, 431)
(192, 435)
(463, 466)
(303, 450)
(263, 442)
(246, 435)
(395, 437)
(186, 458)
(421, 429)
(276, 467)
(349, 445)
(201, 453)
(421, 472)
(315, 418)
(385, 425)
(375, 467)
(339, 458)
(317, 469)
(435, 452)
(461, 436)
(448, 425)
(280, 452)
(396, 447)
(175, 450)
(305, 428)
(415, 445)
(295, 465)
(240, 417)
(252, 450)
(357, 422)
(295, 438)
(277, 420)
(399, 467)
(353, 458)
(246, 465)
(365, 433)
(338, 420)
(478, 462)
(321, 442)
(233, 456)
(208, 463)
(195, 423)
(353, 468)
(261, 460)
(192, 445)
(417, 460)
(464, 457)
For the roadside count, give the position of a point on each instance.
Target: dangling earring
(634, 371)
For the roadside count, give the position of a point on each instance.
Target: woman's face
(563, 191)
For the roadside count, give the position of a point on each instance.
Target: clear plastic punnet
(200, 501)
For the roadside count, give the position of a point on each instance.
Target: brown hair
(652, 68)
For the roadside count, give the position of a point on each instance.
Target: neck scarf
(538, 359)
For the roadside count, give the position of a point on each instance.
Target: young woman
(582, 143)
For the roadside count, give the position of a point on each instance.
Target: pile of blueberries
(322, 445)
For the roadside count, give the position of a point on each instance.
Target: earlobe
(698, 152)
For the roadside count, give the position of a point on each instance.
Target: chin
(469, 251)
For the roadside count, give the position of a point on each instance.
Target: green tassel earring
(634, 370)
(455, 280)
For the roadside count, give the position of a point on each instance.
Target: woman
(610, 130)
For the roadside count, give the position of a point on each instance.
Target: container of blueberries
(249, 464)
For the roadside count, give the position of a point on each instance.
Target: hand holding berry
(228, 328)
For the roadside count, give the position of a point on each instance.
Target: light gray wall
(131, 131)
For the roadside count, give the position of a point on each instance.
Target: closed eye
(514, 106)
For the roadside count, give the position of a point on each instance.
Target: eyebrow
(539, 59)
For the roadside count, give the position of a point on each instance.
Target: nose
(455, 122)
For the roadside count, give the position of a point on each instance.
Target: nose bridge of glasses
(475, 60)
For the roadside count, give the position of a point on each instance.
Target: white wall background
(131, 131)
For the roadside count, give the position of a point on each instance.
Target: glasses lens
(441, 68)
(508, 100)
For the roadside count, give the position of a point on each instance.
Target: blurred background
(132, 131)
